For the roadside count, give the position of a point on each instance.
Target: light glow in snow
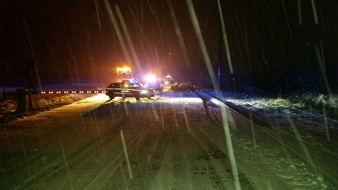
(186, 100)
(217, 102)
(98, 97)
(150, 78)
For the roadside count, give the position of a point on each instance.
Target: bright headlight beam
(150, 78)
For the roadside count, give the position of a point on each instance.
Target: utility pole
(29, 81)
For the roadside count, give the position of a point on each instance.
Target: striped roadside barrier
(73, 92)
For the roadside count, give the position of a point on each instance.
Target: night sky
(273, 44)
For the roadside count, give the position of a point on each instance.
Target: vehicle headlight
(150, 78)
(144, 91)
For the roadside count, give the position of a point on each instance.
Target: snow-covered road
(167, 142)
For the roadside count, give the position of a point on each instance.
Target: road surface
(168, 142)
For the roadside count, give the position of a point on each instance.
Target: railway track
(322, 160)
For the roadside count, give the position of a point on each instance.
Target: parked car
(183, 86)
(125, 89)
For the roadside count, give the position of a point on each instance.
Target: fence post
(21, 100)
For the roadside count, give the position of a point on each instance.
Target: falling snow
(175, 140)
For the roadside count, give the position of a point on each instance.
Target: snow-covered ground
(172, 145)
(281, 112)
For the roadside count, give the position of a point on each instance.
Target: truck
(124, 74)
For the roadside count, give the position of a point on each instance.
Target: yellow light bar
(123, 69)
